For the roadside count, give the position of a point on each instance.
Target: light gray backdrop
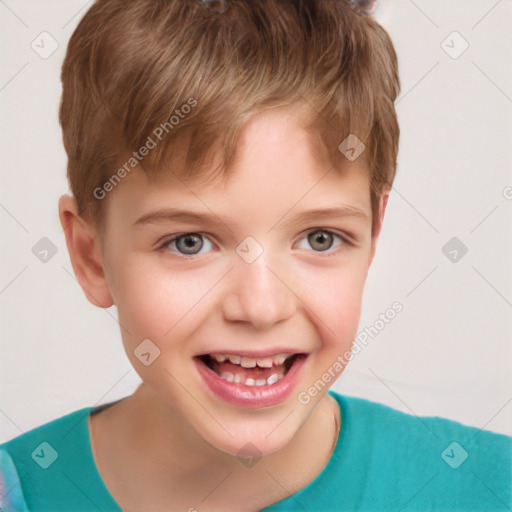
(447, 353)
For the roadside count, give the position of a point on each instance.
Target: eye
(321, 240)
(187, 244)
(190, 244)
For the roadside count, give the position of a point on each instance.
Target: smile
(249, 371)
(250, 381)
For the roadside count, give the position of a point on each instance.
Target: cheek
(334, 299)
(161, 303)
(163, 308)
(151, 306)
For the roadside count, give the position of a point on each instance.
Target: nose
(259, 294)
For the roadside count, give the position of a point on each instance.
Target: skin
(173, 441)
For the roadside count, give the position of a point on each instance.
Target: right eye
(186, 244)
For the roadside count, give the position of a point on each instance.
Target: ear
(84, 247)
(383, 202)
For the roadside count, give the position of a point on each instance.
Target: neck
(168, 449)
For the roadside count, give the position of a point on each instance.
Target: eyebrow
(326, 213)
(175, 214)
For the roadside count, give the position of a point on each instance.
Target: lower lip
(251, 396)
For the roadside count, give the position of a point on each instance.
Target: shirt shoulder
(52, 465)
(431, 462)
(389, 460)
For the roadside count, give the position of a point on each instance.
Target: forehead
(277, 164)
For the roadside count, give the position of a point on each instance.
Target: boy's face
(219, 293)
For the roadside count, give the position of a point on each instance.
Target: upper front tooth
(247, 362)
(265, 362)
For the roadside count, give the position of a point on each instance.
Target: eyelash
(327, 253)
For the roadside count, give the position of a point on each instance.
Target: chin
(246, 448)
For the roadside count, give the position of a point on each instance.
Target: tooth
(247, 362)
(261, 382)
(272, 379)
(264, 363)
(234, 359)
(220, 358)
(227, 376)
(249, 382)
(238, 378)
(280, 358)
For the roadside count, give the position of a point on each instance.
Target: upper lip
(253, 354)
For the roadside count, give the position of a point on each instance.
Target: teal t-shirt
(384, 460)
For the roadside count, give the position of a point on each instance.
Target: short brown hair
(131, 64)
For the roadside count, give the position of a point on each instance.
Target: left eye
(190, 244)
(322, 239)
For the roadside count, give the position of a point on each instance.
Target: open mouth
(248, 371)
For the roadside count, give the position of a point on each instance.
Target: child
(254, 129)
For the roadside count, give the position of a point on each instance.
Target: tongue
(246, 373)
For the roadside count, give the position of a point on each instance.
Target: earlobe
(383, 202)
(84, 249)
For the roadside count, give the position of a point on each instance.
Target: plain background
(448, 353)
